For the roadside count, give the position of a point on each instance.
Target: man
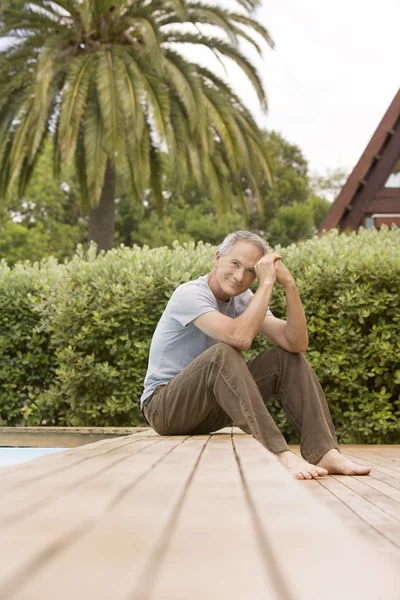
(198, 382)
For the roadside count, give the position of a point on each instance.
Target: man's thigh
(186, 404)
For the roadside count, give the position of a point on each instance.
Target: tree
(291, 211)
(108, 80)
(297, 222)
(45, 220)
(330, 184)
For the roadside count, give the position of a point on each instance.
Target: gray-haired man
(197, 380)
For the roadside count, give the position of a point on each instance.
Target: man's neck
(216, 288)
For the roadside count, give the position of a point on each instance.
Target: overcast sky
(332, 75)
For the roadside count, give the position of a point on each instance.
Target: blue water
(16, 456)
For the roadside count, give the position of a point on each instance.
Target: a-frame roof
(364, 193)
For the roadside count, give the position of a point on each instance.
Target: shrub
(27, 364)
(101, 319)
(350, 287)
(75, 337)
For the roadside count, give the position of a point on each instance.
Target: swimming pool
(16, 456)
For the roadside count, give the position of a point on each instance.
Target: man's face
(234, 272)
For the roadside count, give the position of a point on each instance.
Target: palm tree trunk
(102, 218)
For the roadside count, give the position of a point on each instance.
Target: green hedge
(74, 338)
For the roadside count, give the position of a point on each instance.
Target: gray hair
(245, 236)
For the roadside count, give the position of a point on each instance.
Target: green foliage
(290, 172)
(329, 185)
(48, 220)
(26, 359)
(45, 221)
(75, 337)
(293, 222)
(350, 286)
(101, 318)
(290, 211)
(185, 222)
(297, 222)
(112, 84)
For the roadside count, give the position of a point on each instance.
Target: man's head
(234, 263)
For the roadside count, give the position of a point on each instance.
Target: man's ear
(216, 259)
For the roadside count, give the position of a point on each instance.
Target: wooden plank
(176, 510)
(378, 500)
(383, 458)
(59, 437)
(43, 490)
(351, 520)
(303, 535)
(382, 450)
(376, 518)
(22, 475)
(381, 486)
(224, 551)
(372, 462)
(358, 454)
(390, 453)
(28, 545)
(394, 483)
(106, 561)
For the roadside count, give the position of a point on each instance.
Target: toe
(363, 471)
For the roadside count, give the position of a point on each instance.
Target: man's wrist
(267, 283)
(289, 284)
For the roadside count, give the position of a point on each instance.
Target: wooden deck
(143, 517)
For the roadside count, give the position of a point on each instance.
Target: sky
(333, 73)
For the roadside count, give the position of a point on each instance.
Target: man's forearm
(296, 325)
(248, 324)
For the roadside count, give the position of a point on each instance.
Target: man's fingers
(274, 256)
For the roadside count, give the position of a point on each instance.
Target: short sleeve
(190, 301)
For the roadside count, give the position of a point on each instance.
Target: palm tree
(108, 82)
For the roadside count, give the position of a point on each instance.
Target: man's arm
(292, 333)
(241, 331)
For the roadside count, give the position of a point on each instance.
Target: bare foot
(334, 462)
(300, 468)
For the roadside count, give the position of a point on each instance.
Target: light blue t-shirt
(176, 340)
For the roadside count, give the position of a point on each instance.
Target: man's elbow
(242, 343)
(300, 349)
(246, 345)
(296, 348)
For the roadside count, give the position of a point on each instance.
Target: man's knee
(223, 350)
(294, 358)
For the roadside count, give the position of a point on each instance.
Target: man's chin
(233, 290)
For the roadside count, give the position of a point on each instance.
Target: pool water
(16, 456)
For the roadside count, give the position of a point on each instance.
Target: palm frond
(180, 77)
(225, 50)
(109, 102)
(94, 146)
(74, 95)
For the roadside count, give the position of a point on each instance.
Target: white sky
(332, 75)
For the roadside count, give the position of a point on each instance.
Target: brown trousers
(219, 389)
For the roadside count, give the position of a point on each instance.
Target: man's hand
(283, 275)
(265, 268)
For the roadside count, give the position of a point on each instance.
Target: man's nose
(239, 276)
